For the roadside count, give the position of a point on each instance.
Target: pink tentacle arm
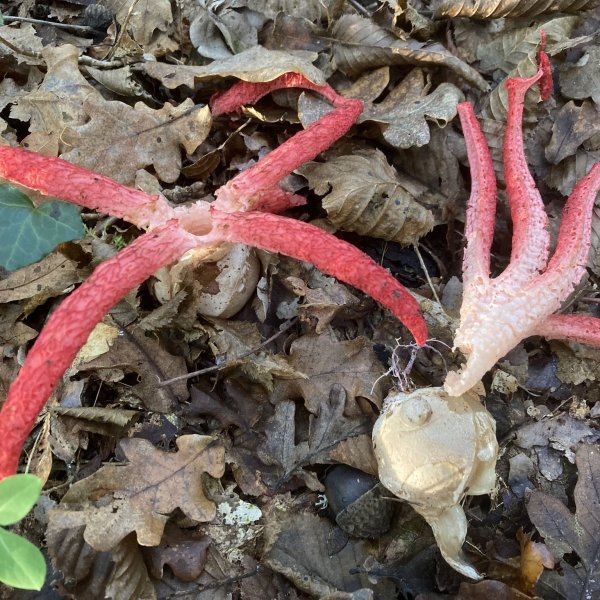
(244, 191)
(329, 254)
(531, 239)
(70, 325)
(481, 207)
(567, 265)
(61, 179)
(582, 329)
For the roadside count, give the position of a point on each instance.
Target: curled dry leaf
(576, 535)
(361, 44)
(256, 65)
(139, 496)
(493, 9)
(573, 125)
(299, 547)
(91, 574)
(368, 196)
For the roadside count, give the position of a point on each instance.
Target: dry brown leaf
(12, 331)
(582, 80)
(404, 113)
(573, 125)
(325, 362)
(573, 535)
(139, 496)
(299, 547)
(11, 91)
(361, 44)
(185, 552)
(119, 139)
(323, 304)
(493, 9)
(327, 428)
(356, 452)
(232, 339)
(57, 103)
(256, 64)
(119, 81)
(368, 196)
(95, 575)
(534, 557)
(23, 37)
(96, 419)
(141, 17)
(52, 276)
(133, 351)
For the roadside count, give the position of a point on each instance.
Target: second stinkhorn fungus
(235, 216)
(496, 314)
(435, 446)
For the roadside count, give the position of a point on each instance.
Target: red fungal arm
(567, 265)
(530, 236)
(246, 92)
(582, 329)
(61, 179)
(329, 254)
(481, 208)
(244, 191)
(69, 327)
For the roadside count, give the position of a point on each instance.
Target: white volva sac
(432, 450)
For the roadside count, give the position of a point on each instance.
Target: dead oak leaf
(119, 139)
(403, 115)
(132, 351)
(324, 362)
(57, 103)
(326, 429)
(139, 496)
(232, 342)
(141, 17)
(574, 534)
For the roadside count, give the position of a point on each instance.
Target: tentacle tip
(544, 66)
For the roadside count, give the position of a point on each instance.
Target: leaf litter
(211, 486)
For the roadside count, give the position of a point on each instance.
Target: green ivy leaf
(22, 565)
(18, 494)
(28, 233)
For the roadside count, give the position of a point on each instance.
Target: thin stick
(287, 326)
(79, 28)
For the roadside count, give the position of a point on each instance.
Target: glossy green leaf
(28, 233)
(18, 494)
(22, 565)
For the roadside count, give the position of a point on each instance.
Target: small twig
(79, 28)
(422, 263)
(287, 326)
(87, 61)
(122, 32)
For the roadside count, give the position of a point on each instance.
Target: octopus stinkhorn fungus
(240, 214)
(435, 446)
(496, 314)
